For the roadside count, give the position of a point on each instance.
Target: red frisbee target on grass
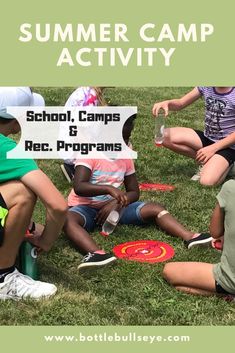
(156, 187)
(149, 251)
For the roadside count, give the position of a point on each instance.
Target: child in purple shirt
(213, 149)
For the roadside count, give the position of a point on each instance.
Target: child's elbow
(78, 189)
(137, 195)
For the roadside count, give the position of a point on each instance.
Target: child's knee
(151, 209)
(168, 272)
(167, 138)
(68, 220)
(72, 220)
(208, 180)
(159, 210)
(25, 196)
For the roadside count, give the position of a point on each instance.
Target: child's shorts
(131, 215)
(3, 215)
(227, 153)
(220, 290)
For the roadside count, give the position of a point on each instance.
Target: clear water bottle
(159, 128)
(111, 222)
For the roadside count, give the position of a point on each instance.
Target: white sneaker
(18, 286)
(197, 176)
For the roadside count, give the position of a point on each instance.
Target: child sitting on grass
(97, 192)
(204, 278)
(21, 182)
(213, 148)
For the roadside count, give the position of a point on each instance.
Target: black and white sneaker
(201, 239)
(68, 171)
(93, 261)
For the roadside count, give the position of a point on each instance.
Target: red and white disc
(156, 187)
(149, 251)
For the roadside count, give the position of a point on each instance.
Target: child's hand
(37, 232)
(36, 239)
(160, 105)
(204, 154)
(119, 195)
(218, 243)
(105, 211)
(39, 242)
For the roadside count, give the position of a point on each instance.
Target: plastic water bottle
(159, 128)
(111, 222)
(28, 260)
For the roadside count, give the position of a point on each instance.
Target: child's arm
(56, 207)
(132, 195)
(83, 187)
(176, 104)
(132, 188)
(217, 222)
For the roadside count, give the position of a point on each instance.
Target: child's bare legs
(152, 211)
(78, 235)
(20, 202)
(186, 141)
(95, 258)
(191, 277)
(214, 171)
(182, 140)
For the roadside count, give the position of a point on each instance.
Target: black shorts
(221, 290)
(227, 153)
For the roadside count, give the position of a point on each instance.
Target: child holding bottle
(97, 192)
(213, 149)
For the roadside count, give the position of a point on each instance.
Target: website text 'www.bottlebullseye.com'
(131, 337)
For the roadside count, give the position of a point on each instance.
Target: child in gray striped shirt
(213, 148)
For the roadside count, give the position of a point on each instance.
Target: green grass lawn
(130, 293)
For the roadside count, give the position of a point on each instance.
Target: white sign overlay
(74, 133)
